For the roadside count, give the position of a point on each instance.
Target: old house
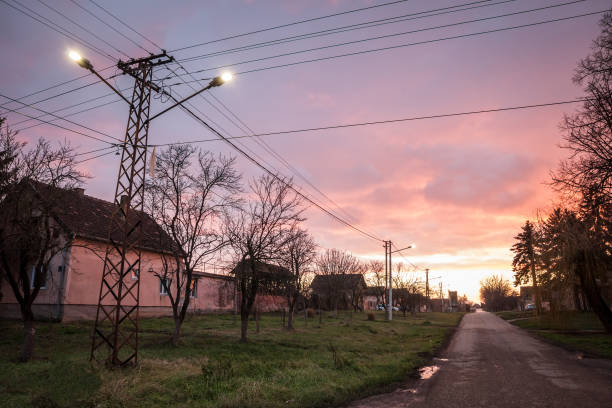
(373, 296)
(71, 288)
(342, 291)
(271, 295)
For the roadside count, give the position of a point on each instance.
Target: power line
(273, 153)
(95, 150)
(280, 158)
(65, 128)
(298, 192)
(410, 32)
(342, 55)
(60, 94)
(261, 142)
(123, 23)
(58, 29)
(250, 158)
(352, 27)
(287, 25)
(387, 121)
(94, 15)
(88, 31)
(416, 268)
(59, 117)
(70, 114)
(406, 45)
(94, 157)
(66, 107)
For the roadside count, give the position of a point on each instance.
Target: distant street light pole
(388, 267)
(427, 289)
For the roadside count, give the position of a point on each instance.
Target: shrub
(371, 316)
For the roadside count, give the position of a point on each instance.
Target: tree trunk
(290, 318)
(244, 325)
(28, 336)
(177, 331)
(536, 290)
(591, 291)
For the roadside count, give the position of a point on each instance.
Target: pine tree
(526, 259)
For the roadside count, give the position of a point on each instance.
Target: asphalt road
(491, 363)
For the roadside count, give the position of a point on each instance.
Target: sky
(459, 187)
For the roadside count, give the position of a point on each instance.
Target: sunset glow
(459, 186)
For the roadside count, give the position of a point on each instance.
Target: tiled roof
(89, 217)
(341, 281)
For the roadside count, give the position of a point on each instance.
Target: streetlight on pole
(388, 266)
(119, 297)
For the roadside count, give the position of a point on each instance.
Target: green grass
(348, 357)
(579, 331)
(513, 314)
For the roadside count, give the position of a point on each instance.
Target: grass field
(345, 358)
(579, 331)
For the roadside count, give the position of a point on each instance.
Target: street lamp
(389, 266)
(413, 245)
(85, 63)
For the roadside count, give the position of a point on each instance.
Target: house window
(45, 276)
(135, 274)
(194, 288)
(164, 284)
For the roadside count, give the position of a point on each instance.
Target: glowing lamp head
(75, 56)
(413, 245)
(221, 79)
(83, 62)
(226, 76)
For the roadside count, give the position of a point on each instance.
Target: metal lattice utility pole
(115, 336)
(116, 327)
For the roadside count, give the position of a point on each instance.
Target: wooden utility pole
(427, 289)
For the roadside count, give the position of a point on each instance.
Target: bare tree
(257, 235)
(497, 293)
(336, 265)
(588, 132)
(297, 256)
(30, 232)
(408, 292)
(187, 196)
(377, 279)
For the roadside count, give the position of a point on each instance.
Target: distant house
(372, 297)
(453, 303)
(438, 305)
(341, 291)
(271, 293)
(72, 284)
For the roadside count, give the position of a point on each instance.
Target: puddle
(427, 372)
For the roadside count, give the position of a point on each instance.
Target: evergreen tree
(526, 259)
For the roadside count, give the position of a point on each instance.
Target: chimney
(80, 191)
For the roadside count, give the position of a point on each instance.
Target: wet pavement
(490, 363)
